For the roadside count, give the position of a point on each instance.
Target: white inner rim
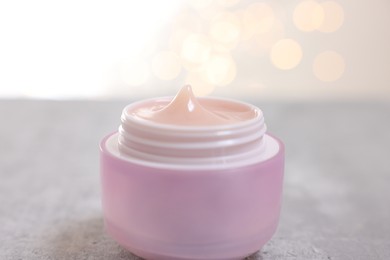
(272, 148)
(227, 144)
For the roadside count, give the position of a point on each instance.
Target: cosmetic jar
(183, 191)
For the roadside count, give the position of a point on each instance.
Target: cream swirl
(187, 130)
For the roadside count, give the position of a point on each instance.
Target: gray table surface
(336, 191)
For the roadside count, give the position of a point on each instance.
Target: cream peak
(186, 109)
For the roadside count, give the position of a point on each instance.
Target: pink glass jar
(190, 192)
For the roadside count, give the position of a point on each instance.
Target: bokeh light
(225, 30)
(257, 18)
(224, 47)
(220, 69)
(308, 16)
(134, 72)
(286, 54)
(328, 66)
(195, 50)
(177, 38)
(264, 41)
(184, 24)
(166, 65)
(333, 17)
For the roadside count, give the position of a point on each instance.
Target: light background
(136, 49)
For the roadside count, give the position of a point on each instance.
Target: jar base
(234, 251)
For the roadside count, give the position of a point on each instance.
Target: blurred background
(320, 71)
(275, 50)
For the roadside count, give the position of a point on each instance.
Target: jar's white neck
(192, 145)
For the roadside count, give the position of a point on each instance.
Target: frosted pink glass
(191, 214)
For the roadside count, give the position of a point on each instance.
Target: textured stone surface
(336, 193)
